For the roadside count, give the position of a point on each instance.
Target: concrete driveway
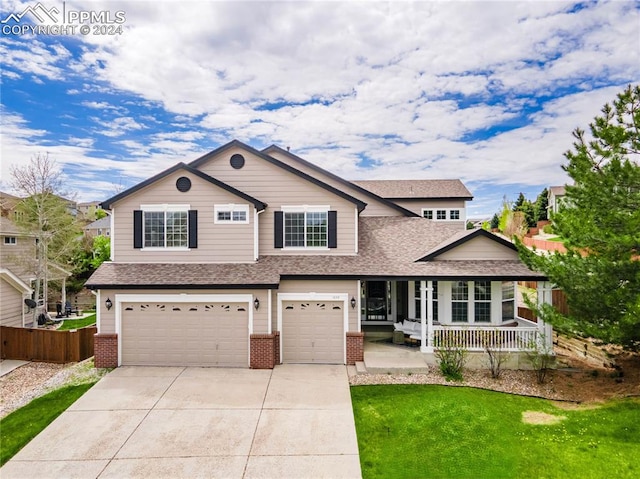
(295, 421)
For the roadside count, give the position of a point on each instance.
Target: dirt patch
(542, 418)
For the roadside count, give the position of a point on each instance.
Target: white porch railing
(476, 338)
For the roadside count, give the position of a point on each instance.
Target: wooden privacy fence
(47, 344)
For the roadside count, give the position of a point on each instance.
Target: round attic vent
(183, 184)
(237, 161)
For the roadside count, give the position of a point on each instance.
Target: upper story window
(305, 227)
(442, 214)
(10, 240)
(231, 213)
(165, 226)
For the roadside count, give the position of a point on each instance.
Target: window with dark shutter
(137, 228)
(278, 228)
(333, 229)
(193, 228)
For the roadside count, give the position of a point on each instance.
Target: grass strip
(22, 425)
(77, 323)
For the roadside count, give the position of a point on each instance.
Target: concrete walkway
(293, 422)
(8, 365)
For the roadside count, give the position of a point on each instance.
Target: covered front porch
(472, 314)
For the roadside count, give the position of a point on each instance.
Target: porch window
(454, 214)
(427, 214)
(459, 302)
(441, 214)
(482, 300)
(418, 303)
(508, 300)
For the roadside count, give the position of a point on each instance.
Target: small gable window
(10, 240)
(237, 214)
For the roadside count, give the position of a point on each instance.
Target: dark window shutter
(332, 239)
(193, 228)
(137, 228)
(278, 227)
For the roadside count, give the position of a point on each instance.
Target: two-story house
(252, 258)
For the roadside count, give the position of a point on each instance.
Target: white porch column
(426, 316)
(64, 293)
(544, 330)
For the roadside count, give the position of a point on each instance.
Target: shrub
(496, 356)
(451, 359)
(541, 358)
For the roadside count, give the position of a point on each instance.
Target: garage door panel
(185, 334)
(313, 332)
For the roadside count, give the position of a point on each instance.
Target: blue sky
(488, 92)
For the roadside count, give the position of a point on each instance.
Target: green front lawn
(22, 425)
(429, 431)
(77, 323)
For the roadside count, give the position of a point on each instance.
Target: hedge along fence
(47, 345)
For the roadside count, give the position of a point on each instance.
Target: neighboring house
(101, 227)
(252, 258)
(8, 205)
(438, 200)
(88, 209)
(556, 198)
(17, 252)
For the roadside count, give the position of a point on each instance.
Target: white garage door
(313, 332)
(185, 334)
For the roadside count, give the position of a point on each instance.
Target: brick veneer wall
(262, 351)
(276, 347)
(355, 347)
(105, 350)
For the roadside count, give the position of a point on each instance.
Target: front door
(376, 301)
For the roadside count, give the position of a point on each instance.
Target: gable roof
(181, 166)
(417, 189)
(101, 223)
(238, 144)
(351, 184)
(15, 281)
(461, 238)
(558, 190)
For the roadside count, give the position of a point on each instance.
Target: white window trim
(305, 209)
(462, 212)
(230, 208)
(164, 208)
(10, 243)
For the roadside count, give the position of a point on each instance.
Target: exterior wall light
(108, 304)
(353, 302)
(256, 303)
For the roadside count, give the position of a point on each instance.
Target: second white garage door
(185, 334)
(313, 332)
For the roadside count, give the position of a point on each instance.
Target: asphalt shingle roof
(388, 247)
(418, 189)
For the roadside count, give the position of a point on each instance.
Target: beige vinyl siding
(217, 243)
(19, 257)
(479, 248)
(374, 207)
(349, 287)
(108, 318)
(277, 187)
(10, 305)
